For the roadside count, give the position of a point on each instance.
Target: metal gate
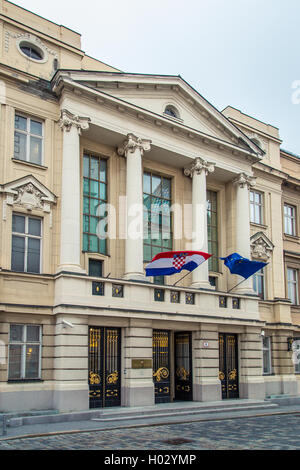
(228, 369)
(161, 365)
(104, 367)
(183, 367)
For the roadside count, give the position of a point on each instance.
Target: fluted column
(243, 183)
(198, 171)
(133, 149)
(70, 249)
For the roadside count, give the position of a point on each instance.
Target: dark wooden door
(183, 367)
(161, 365)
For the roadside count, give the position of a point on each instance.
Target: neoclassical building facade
(100, 171)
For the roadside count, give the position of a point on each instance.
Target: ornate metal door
(161, 365)
(228, 369)
(104, 367)
(183, 367)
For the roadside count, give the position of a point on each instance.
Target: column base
(72, 268)
(202, 285)
(135, 277)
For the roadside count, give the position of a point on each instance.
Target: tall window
(292, 284)
(94, 204)
(266, 347)
(259, 283)
(212, 230)
(157, 215)
(256, 207)
(289, 219)
(28, 144)
(24, 359)
(26, 243)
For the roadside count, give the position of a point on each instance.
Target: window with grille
(24, 356)
(289, 219)
(26, 243)
(256, 207)
(28, 141)
(212, 230)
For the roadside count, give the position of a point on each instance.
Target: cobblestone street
(281, 432)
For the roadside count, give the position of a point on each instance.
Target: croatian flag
(173, 262)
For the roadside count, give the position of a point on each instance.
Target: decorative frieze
(261, 246)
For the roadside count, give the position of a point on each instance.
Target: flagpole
(235, 286)
(181, 278)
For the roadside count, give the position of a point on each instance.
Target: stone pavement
(269, 432)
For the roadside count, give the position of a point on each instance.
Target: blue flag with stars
(242, 266)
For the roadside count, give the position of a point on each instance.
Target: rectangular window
(95, 267)
(292, 285)
(256, 207)
(289, 219)
(266, 347)
(24, 361)
(157, 215)
(259, 283)
(296, 354)
(94, 204)
(212, 230)
(28, 142)
(26, 243)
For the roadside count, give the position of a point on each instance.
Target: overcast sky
(243, 53)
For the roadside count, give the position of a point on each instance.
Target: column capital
(244, 180)
(199, 165)
(68, 119)
(132, 143)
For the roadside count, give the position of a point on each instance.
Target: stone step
(131, 413)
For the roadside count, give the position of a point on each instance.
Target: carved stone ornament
(261, 247)
(199, 165)
(132, 143)
(245, 180)
(67, 120)
(28, 193)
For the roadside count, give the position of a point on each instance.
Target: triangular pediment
(261, 246)
(154, 93)
(29, 193)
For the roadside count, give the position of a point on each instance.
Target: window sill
(292, 238)
(35, 165)
(13, 381)
(256, 224)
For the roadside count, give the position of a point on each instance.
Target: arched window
(171, 111)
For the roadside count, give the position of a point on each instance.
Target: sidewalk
(121, 417)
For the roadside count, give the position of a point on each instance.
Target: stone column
(133, 149)
(70, 249)
(198, 172)
(243, 183)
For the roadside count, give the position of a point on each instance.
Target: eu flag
(242, 266)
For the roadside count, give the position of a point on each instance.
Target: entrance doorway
(161, 365)
(228, 368)
(104, 367)
(183, 367)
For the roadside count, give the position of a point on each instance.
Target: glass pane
(20, 122)
(103, 170)
(15, 359)
(166, 188)
(33, 256)
(16, 333)
(94, 206)
(147, 201)
(86, 205)
(103, 191)
(156, 185)
(34, 227)
(93, 239)
(32, 361)
(85, 243)
(93, 224)
(85, 223)
(17, 255)
(86, 186)
(36, 127)
(35, 150)
(18, 223)
(32, 333)
(103, 246)
(86, 166)
(147, 183)
(20, 146)
(147, 253)
(94, 185)
(94, 168)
